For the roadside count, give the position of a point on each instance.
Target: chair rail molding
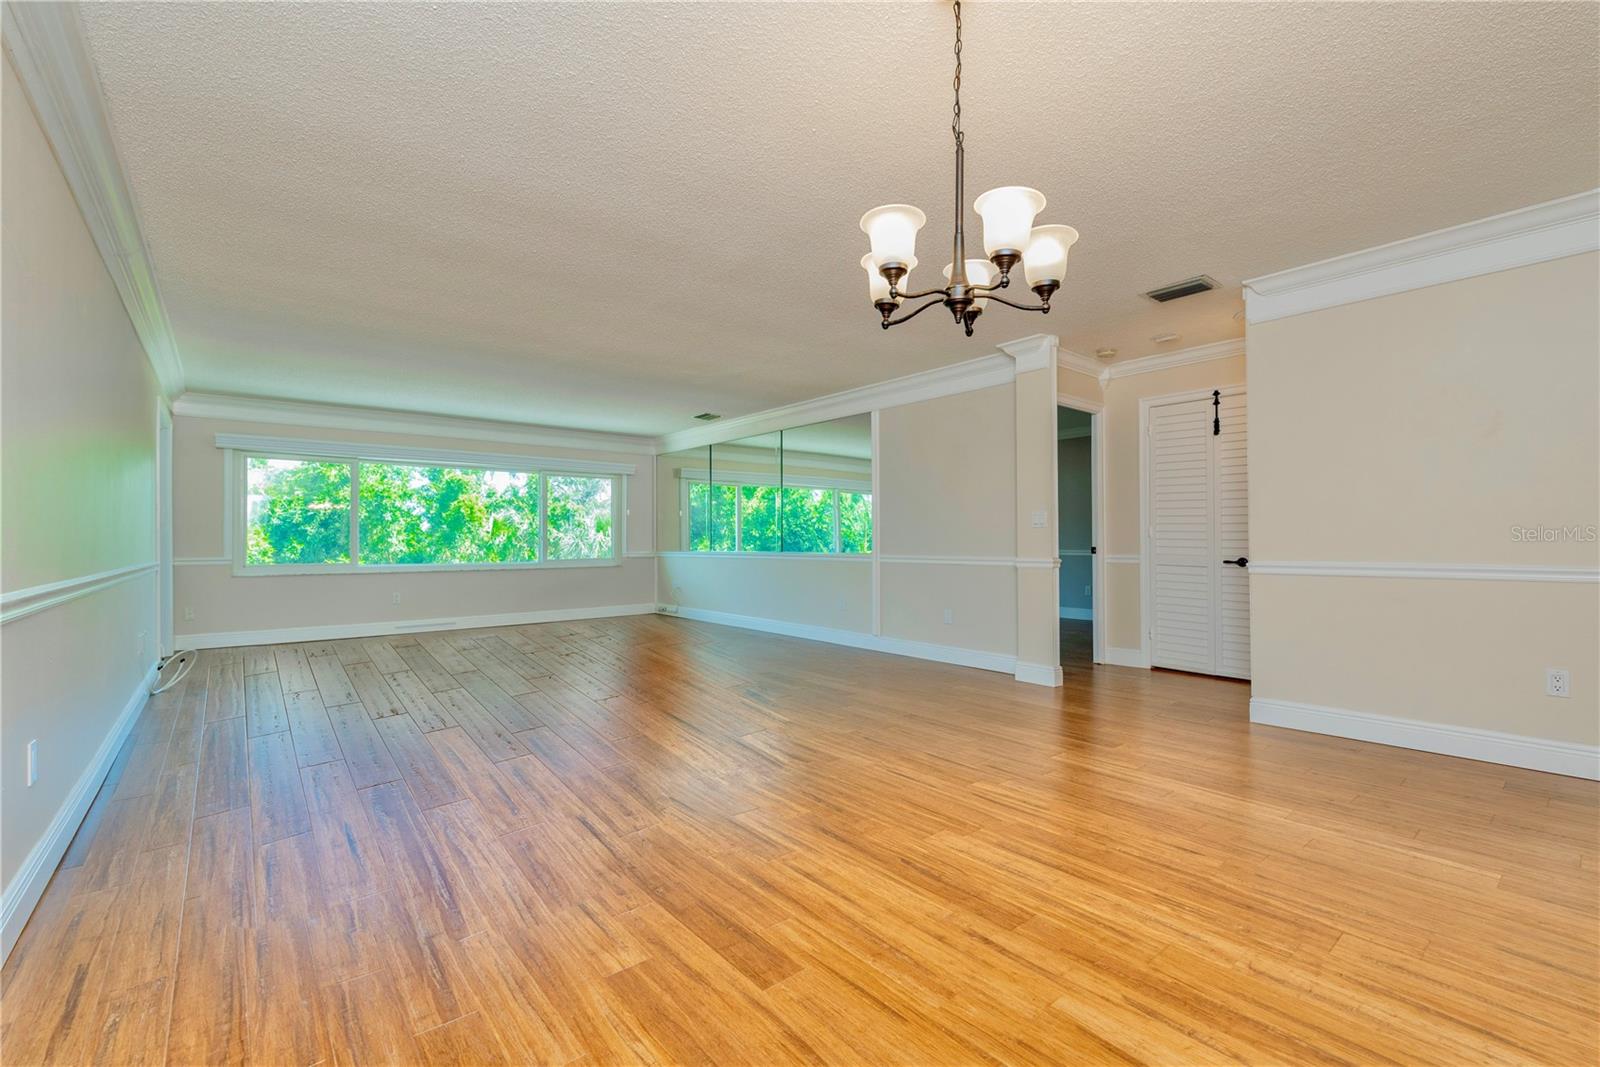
(46, 46)
(20, 603)
(1520, 238)
(1476, 572)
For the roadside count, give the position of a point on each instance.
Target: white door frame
(164, 637)
(1097, 518)
(1146, 619)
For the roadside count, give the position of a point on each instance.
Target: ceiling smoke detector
(1200, 283)
(706, 416)
(1105, 353)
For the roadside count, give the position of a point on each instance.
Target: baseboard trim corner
(28, 884)
(406, 626)
(1488, 746)
(1126, 657)
(895, 646)
(1038, 674)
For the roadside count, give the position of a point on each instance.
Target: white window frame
(237, 448)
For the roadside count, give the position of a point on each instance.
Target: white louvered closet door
(1199, 516)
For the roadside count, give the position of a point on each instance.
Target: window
(449, 515)
(348, 512)
(579, 510)
(296, 511)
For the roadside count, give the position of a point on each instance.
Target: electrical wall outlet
(949, 616)
(1557, 682)
(188, 615)
(397, 598)
(1041, 518)
(33, 761)
(1088, 590)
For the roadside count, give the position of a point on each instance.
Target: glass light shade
(878, 285)
(1008, 216)
(892, 229)
(979, 272)
(1045, 258)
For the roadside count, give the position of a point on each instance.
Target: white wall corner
(1489, 746)
(1552, 230)
(46, 46)
(1032, 353)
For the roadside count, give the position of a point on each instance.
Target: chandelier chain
(955, 117)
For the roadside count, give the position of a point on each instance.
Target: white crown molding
(1529, 235)
(1183, 357)
(1490, 746)
(1478, 572)
(379, 420)
(1067, 359)
(47, 49)
(980, 373)
(1035, 352)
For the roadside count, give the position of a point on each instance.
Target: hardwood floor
(649, 840)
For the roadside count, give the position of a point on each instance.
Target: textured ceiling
(614, 216)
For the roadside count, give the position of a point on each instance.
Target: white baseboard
(963, 657)
(1038, 674)
(408, 626)
(1490, 746)
(1126, 657)
(28, 884)
(1081, 614)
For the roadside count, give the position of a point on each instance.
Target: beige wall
(1421, 428)
(225, 603)
(830, 591)
(77, 487)
(947, 484)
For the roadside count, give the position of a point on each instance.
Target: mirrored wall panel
(803, 490)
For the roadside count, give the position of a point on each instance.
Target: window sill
(863, 556)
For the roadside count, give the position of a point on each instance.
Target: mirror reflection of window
(806, 490)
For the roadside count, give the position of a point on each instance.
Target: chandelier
(1009, 238)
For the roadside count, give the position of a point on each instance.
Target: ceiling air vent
(1187, 287)
(706, 416)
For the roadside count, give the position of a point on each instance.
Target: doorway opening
(1077, 526)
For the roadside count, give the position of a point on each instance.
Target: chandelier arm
(919, 296)
(911, 314)
(1020, 307)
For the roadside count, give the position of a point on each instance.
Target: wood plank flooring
(647, 840)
